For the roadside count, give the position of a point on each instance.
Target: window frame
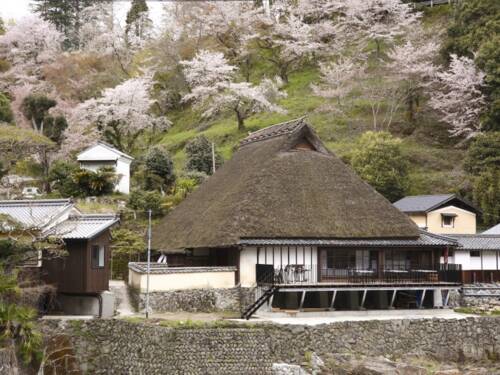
(452, 221)
(95, 262)
(475, 253)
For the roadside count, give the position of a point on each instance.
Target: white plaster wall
(182, 281)
(278, 256)
(123, 171)
(248, 260)
(474, 263)
(465, 221)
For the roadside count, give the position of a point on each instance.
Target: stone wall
(192, 300)
(117, 346)
(196, 300)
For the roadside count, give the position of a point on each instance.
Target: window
(97, 256)
(448, 221)
(475, 253)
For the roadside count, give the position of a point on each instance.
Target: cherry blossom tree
(120, 115)
(412, 63)
(29, 44)
(380, 21)
(338, 78)
(287, 44)
(213, 87)
(458, 97)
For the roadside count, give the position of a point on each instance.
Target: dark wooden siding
(74, 273)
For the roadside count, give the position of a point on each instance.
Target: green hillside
(435, 161)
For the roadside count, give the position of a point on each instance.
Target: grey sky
(15, 9)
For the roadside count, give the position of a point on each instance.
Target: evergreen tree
(2, 26)
(159, 170)
(199, 156)
(378, 160)
(138, 21)
(486, 191)
(65, 15)
(483, 153)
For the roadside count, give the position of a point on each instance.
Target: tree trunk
(241, 121)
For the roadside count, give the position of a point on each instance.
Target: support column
(438, 298)
(393, 299)
(421, 302)
(362, 304)
(446, 298)
(333, 300)
(302, 299)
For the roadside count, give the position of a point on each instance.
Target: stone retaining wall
(192, 300)
(117, 346)
(197, 300)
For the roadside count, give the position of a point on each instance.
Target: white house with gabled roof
(103, 155)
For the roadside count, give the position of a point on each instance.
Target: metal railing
(312, 274)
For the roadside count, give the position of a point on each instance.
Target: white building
(103, 155)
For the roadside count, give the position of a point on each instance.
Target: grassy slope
(435, 162)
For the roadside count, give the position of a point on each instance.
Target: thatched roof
(275, 186)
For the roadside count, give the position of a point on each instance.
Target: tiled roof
(425, 239)
(422, 203)
(493, 230)
(274, 131)
(160, 268)
(83, 226)
(477, 241)
(34, 213)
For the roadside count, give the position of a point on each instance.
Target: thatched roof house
(281, 183)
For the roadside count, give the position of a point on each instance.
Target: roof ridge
(39, 201)
(439, 236)
(279, 129)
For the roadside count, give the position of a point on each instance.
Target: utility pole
(148, 268)
(213, 158)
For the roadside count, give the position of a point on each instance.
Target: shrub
(379, 161)
(199, 155)
(143, 201)
(6, 114)
(72, 181)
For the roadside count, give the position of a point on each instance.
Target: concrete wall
(121, 347)
(279, 256)
(464, 223)
(182, 280)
